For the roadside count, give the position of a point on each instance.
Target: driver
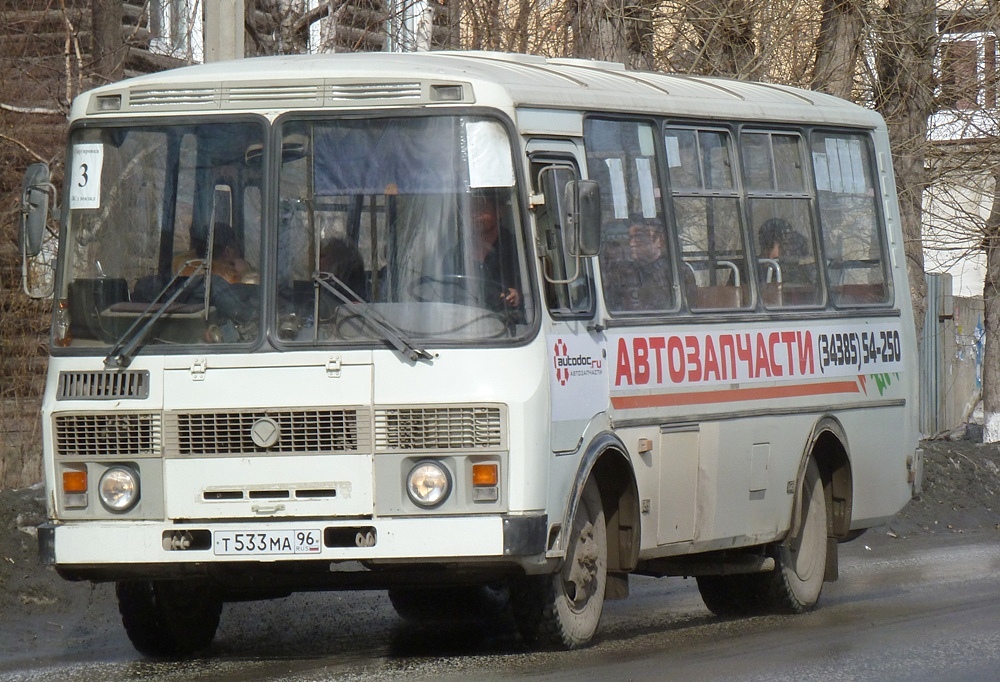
(486, 251)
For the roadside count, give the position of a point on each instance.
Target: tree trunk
(991, 305)
(905, 97)
(727, 43)
(108, 50)
(838, 47)
(614, 30)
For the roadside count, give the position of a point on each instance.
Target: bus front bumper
(105, 550)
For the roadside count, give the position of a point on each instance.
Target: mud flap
(617, 585)
(832, 572)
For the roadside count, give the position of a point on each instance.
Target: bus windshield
(411, 220)
(388, 231)
(163, 235)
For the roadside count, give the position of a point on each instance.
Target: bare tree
(614, 30)
(108, 48)
(904, 94)
(727, 41)
(991, 302)
(838, 47)
(964, 218)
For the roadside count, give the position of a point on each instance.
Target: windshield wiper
(130, 341)
(390, 332)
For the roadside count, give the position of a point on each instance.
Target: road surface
(920, 608)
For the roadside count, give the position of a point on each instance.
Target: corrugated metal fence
(951, 352)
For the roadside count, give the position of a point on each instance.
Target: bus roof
(506, 81)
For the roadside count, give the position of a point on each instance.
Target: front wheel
(169, 618)
(562, 611)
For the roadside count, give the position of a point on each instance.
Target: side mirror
(34, 209)
(583, 219)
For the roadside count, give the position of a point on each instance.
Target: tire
(563, 610)
(451, 603)
(169, 619)
(800, 561)
(799, 565)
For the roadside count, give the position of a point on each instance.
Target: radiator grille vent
(363, 91)
(275, 93)
(439, 428)
(291, 95)
(122, 434)
(191, 97)
(103, 385)
(230, 433)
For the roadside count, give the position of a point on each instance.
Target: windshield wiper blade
(130, 341)
(390, 332)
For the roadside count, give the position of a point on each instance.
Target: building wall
(955, 209)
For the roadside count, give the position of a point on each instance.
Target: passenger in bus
(650, 286)
(491, 265)
(227, 262)
(340, 258)
(231, 292)
(782, 252)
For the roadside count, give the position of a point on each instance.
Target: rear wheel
(800, 561)
(799, 565)
(563, 610)
(169, 618)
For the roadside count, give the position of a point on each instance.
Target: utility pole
(224, 32)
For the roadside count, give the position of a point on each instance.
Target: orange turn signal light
(74, 481)
(485, 474)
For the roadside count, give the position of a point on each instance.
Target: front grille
(229, 433)
(103, 385)
(319, 430)
(439, 428)
(121, 434)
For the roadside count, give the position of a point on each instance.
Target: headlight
(119, 489)
(428, 484)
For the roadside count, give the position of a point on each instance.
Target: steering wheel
(468, 289)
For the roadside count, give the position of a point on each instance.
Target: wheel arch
(828, 445)
(606, 460)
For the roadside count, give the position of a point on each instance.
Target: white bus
(490, 331)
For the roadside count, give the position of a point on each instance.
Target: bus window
(636, 271)
(707, 213)
(849, 218)
(780, 218)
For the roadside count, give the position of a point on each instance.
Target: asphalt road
(914, 609)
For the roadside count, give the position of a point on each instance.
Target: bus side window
(781, 218)
(709, 223)
(850, 218)
(568, 284)
(637, 272)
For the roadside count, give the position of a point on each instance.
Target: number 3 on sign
(85, 184)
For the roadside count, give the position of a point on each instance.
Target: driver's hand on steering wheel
(511, 297)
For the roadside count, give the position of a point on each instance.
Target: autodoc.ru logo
(566, 366)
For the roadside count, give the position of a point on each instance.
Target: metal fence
(951, 354)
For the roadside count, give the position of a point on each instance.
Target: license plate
(268, 542)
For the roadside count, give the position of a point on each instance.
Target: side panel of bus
(719, 400)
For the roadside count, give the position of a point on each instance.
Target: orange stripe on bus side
(733, 395)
